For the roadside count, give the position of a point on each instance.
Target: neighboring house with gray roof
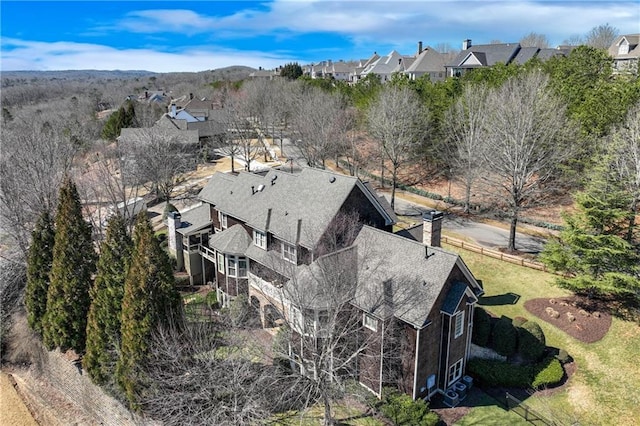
(427, 62)
(625, 51)
(267, 239)
(487, 55)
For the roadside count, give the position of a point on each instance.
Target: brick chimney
(432, 228)
(466, 44)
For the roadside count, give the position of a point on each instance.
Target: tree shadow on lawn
(501, 299)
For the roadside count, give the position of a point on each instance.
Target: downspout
(446, 369)
(469, 336)
(415, 369)
(381, 360)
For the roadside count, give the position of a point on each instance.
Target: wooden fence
(516, 260)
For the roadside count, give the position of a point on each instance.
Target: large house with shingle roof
(625, 51)
(487, 55)
(262, 235)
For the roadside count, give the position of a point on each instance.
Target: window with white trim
(222, 218)
(296, 318)
(370, 321)
(459, 327)
(260, 239)
(232, 266)
(221, 263)
(289, 252)
(242, 267)
(455, 372)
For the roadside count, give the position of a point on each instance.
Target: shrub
(500, 373)
(550, 372)
(531, 341)
(481, 327)
(518, 321)
(401, 409)
(505, 337)
(563, 356)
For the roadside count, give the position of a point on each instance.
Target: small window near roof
(260, 239)
(459, 324)
(221, 263)
(289, 252)
(370, 322)
(223, 220)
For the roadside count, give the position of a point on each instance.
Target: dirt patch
(581, 318)
(14, 412)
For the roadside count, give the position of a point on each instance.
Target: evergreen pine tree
(38, 268)
(150, 300)
(103, 323)
(592, 250)
(65, 322)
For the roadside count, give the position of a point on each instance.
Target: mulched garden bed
(581, 318)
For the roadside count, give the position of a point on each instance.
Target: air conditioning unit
(461, 390)
(451, 398)
(468, 380)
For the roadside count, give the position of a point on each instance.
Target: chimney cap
(432, 215)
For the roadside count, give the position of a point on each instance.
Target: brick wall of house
(369, 361)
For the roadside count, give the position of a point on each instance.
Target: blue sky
(166, 36)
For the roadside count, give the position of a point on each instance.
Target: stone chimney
(432, 228)
(466, 44)
(174, 221)
(419, 47)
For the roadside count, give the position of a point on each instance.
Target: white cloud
(33, 55)
(398, 22)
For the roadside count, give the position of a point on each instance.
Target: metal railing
(524, 411)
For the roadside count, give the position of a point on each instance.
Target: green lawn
(604, 389)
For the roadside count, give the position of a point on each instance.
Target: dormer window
(260, 239)
(289, 252)
(623, 49)
(222, 218)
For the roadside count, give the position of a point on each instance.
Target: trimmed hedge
(550, 373)
(531, 341)
(494, 373)
(481, 327)
(505, 337)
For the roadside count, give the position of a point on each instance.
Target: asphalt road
(480, 233)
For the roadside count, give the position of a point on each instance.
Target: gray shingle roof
(280, 201)
(427, 61)
(454, 295)
(413, 280)
(234, 240)
(142, 135)
(194, 219)
(488, 54)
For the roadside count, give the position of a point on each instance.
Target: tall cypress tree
(103, 323)
(150, 300)
(65, 322)
(38, 268)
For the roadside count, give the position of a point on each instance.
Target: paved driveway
(480, 233)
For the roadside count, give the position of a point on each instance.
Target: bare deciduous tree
(158, 159)
(398, 120)
(624, 152)
(318, 124)
(36, 155)
(200, 378)
(526, 127)
(535, 40)
(601, 36)
(466, 134)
